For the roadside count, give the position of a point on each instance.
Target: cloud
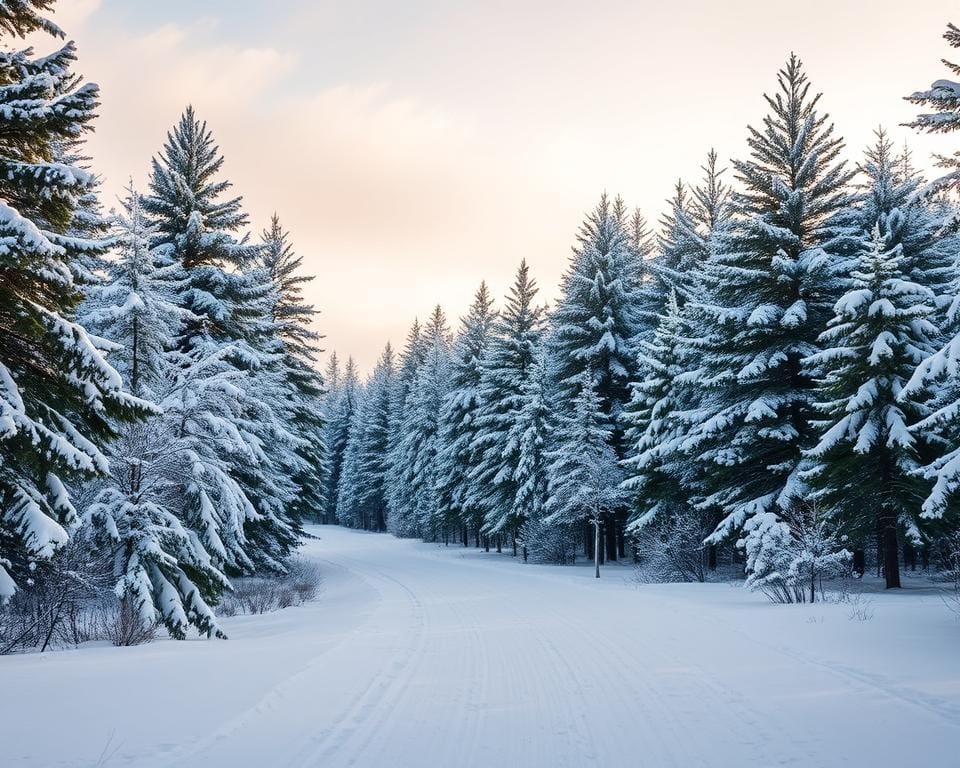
(73, 15)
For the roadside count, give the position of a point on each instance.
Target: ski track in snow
(418, 655)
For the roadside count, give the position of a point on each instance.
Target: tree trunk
(610, 529)
(859, 561)
(622, 534)
(712, 557)
(499, 550)
(587, 540)
(909, 557)
(891, 550)
(596, 547)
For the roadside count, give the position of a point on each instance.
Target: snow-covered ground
(418, 655)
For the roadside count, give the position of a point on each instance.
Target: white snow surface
(419, 655)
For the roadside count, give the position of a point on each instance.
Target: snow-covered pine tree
(458, 418)
(866, 458)
(303, 411)
(363, 486)
(226, 427)
(416, 474)
(585, 474)
(349, 487)
(532, 434)
(160, 564)
(654, 431)
(265, 418)
(594, 327)
(342, 396)
(710, 214)
(514, 347)
(678, 248)
(410, 360)
(764, 298)
(332, 435)
(943, 96)
(58, 395)
(940, 372)
(645, 281)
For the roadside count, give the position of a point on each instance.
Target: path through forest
(418, 655)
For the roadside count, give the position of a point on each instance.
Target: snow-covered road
(417, 655)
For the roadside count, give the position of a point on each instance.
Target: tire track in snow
(273, 698)
(344, 740)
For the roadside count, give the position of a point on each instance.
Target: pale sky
(415, 148)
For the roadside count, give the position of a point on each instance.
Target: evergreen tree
(654, 431)
(866, 458)
(303, 411)
(595, 321)
(342, 404)
(595, 326)
(585, 475)
(234, 488)
(765, 295)
(941, 372)
(411, 359)
(58, 396)
(943, 97)
(160, 565)
(532, 435)
(458, 418)
(513, 350)
(415, 475)
(348, 512)
(363, 487)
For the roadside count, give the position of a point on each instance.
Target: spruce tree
(866, 458)
(415, 475)
(342, 396)
(654, 430)
(410, 360)
(585, 475)
(458, 418)
(514, 348)
(366, 501)
(531, 433)
(160, 565)
(233, 490)
(764, 297)
(940, 373)
(595, 325)
(303, 384)
(59, 398)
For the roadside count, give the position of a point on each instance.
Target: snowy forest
(761, 383)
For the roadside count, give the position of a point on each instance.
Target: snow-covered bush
(256, 594)
(58, 605)
(790, 555)
(552, 544)
(122, 624)
(951, 571)
(671, 549)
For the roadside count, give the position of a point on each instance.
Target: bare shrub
(122, 626)
(304, 577)
(671, 550)
(554, 544)
(951, 571)
(55, 607)
(861, 607)
(257, 594)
